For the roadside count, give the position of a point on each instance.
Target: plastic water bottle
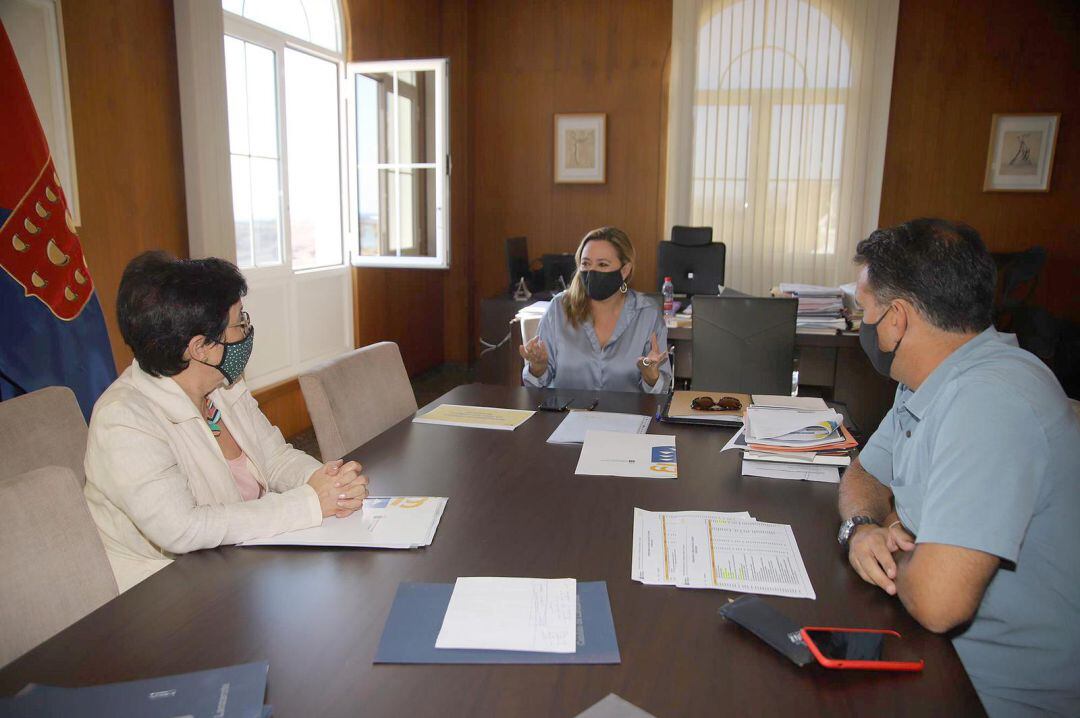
(669, 299)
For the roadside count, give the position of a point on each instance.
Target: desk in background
(831, 366)
(515, 509)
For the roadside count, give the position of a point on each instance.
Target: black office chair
(744, 344)
(555, 266)
(693, 261)
(1019, 273)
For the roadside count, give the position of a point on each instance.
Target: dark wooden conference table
(515, 509)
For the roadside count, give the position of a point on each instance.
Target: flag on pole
(52, 331)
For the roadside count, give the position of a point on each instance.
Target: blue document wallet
(417, 615)
(230, 692)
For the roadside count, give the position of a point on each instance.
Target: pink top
(245, 481)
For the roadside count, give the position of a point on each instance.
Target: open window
(400, 164)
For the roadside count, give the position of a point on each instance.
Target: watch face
(845, 531)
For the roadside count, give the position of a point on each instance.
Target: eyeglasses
(244, 323)
(724, 403)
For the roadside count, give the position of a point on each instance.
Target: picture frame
(580, 148)
(1020, 157)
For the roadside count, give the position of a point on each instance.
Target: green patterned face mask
(235, 357)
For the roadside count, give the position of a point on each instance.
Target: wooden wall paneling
(532, 60)
(125, 111)
(284, 406)
(399, 305)
(454, 43)
(955, 67)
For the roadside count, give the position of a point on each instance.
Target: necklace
(213, 417)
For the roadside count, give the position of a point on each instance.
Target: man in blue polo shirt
(965, 503)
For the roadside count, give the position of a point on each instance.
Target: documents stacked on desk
(399, 522)
(476, 417)
(230, 692)
(821, 309)
(640, 456)
(793, 438)
(709, 549)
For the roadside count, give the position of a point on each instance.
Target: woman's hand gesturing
(535, 352)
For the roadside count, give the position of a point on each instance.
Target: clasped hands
(340, 487)
(535, 352)
(872, 553)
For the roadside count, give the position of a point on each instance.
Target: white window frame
(441, 165)
(250, 31)
(201, 27)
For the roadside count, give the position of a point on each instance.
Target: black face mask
(881, 360)
(601, 285)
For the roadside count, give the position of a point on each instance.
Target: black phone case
(769, 625)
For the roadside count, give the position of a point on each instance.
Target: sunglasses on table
(707, 403)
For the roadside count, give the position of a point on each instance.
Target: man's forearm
(863, 495)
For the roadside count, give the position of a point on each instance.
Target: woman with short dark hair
(179, 456)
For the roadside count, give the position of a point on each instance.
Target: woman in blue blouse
(599, 334)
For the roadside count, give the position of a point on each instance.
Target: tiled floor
(427, 387)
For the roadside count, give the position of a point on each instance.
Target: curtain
(776, 136)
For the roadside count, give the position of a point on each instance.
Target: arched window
(314, 21)
(786, 132)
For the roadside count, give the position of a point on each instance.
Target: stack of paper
(642, 456)
(233, 691)
(573, 428)
(511, 614)
(400, 522)
(821, 309)
(793, 438)
(709, 549)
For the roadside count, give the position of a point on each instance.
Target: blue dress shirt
(577, 361)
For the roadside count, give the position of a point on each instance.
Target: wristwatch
(848, 527)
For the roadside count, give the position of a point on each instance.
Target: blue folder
(417, 615)
(230, 692)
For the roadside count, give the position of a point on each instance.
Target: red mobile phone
(867, 649)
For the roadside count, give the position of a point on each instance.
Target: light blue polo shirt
(985, 454)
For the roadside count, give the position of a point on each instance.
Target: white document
(658, 552)
(790, 427)
(802, 403)
(714, 550)
(573, 427)
(536, 309)
(643, 456)
(797, 457)
(401, 522)
(511, 614)
(795, 472)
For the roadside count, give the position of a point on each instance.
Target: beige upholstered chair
(52, 560)
(42, 428)
(356, 396)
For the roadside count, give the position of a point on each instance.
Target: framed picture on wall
(580, 141)
(1021, 153)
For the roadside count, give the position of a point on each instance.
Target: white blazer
(158, 485)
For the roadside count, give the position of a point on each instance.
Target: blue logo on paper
(663, 454)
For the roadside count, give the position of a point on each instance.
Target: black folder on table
(417, 615)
